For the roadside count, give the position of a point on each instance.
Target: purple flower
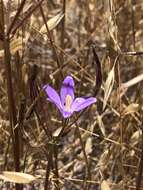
(66, 102)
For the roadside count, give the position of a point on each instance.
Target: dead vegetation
(98, 43)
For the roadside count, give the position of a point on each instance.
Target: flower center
(68, 102)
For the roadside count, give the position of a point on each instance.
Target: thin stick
(16, 16)
(140, 170)
(49, 166)
(133, 24)
(65, 121)
(11, 101)
(26, 17)
(11, 105)
(63, 25)
(51, 40)
(56, 167)
(139, 178)
(85, 156)
(120, 119)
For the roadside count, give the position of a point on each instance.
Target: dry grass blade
(1, 54)
(100, 46)
(27, 7)
(105, 185)
(103, 159)
(52, 23)
(88, 146)
(113, 27)
(108, 86)
(17, 177)
(101, 124)
(133, 81)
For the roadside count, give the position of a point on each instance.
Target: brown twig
(63, 25)
(139, 178)
(26, 17)
(11, 104)
(51, 40)
(16, 16)
(98, 71)
(49, 166)
(56, 167)
(88, 177)
(140, 169)
(133, 24)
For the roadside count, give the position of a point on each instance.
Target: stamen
(68, 102)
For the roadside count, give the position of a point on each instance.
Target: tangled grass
(99, 44)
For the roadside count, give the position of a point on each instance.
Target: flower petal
(66, 114)
(67, 89)
(81, 103)
(53, 96)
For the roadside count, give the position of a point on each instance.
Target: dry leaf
(135, 137)
(17, 177)
(105, 185)
(131, 109)
(57, 132)
(52, 23)
(108, 86)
